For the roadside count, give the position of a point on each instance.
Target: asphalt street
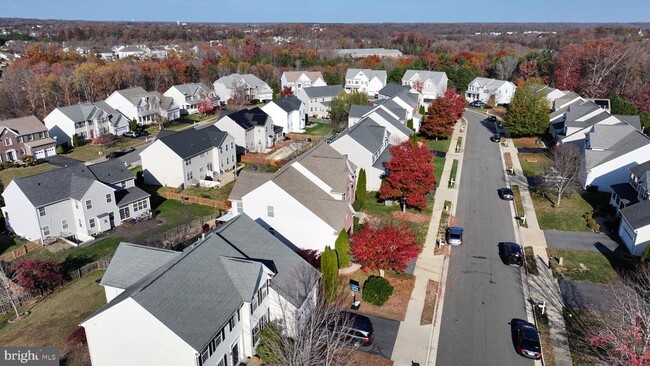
(482, 294)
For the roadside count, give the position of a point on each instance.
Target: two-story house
(143, 106)
(25, 136)
(431, 84)
(365, 81)
(252, 129)
(288, 113)
(250, 85)
(317, 99)
(204, 306)
(397, 130)
(75, 202)
(182, 158)
(297, 80)
(86, 120)
(306, 203)
(484, 89)
(189, 96)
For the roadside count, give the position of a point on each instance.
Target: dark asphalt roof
(323, 91)
(367, 133)
(132, 262)
(128, 195)
(637, 215)
(382, 159)
(249, 118)
(288, 104)
(194, 141)
(625, 193)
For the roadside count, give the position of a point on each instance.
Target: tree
(361, 192)
(342, 247)
(385, 247)
(622, 106)
(286, 91)
(528, 111)
(442, 115)
(506, 66)
(563, 177)
(8, 289)
(75, 140)
(37, 274)
(330, 273)
(206, 105)
(133, 125)
(340, 106)
(410, 175)
(239, 96)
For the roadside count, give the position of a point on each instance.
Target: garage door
(50, 151)
(39, 154)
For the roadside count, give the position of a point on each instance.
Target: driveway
(385, 335)
(586, 295)
(133, 158)
(62, 161)
(579, 241)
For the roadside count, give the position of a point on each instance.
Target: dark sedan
(511, 254)
(505, 193)
(496, 138)
(527, 340)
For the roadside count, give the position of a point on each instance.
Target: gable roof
(248, 181)
(609, 142)
(249, 79)
(358, 111)
(132, 262)
(491, 84)
(323, 91)
(211, 279)
(293, 76)
(288, 104)
(134, 95)
(249, 118)
(434, 76)
(641, 169)
(367, 133)
(191, 89)
(369, 73)
(638, 214)
(412, 99)
(392, 89)
(328, 165)
(634, 121)
(394, 122)
(191, 142)
(24, 125)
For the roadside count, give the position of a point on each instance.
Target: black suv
(357, 328)
(511, 254)
(527, 340)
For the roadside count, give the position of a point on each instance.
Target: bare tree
(563, 177)
(506, 66)
(8, 289)
(239, 95)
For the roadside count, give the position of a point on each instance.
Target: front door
(92, 134)
(111, 219)
(235, 354)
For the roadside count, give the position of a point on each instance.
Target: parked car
(142, 130)
(358, 329)
(117, 154)
(455, 235)
(132, 134)
(527, 340)
(511, 254)
(492, 119)
(477, 104)
(496, 138)
(505, 193)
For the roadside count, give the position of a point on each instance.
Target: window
(46, 230)
(91, 223)
(188, 162)
(269, 211)
(204, 356)
(189, 176)
(7, 142)
(64, 224)
(125, 213)
(240, 207)
(200, 169)
(20, 139)
(41, 135)
(30, 137)
(76, 204)
(109, 198)
(80, 223)
(140, 205)
(41, 211)
(234, 319)
(209, 167)
(22, 151)
(89, 204)
(226, 147)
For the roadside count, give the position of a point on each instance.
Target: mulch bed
(411, 217)
(394, 307)
(363, 358)
(429, 303)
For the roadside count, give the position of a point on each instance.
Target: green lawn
(601, 268)
(76, 257)
(176, 213)
(534, 165)
(439, 164)
(217, 194)
(135, 170)
(53, 318)
(319, 129)
(92, 151)
(452, 174)
(438, 145)
(7, 243)
(519, 205)
(7, 175)
(568, 216)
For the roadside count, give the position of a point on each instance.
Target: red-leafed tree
(567, 67)
(410, 175)
(385, 247)
(418, 85)
(286, 91)
(206, 106)
(442, 114)
(37, 274)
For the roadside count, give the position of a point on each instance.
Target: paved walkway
(543, 287)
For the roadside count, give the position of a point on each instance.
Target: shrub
(255, 101)
(376, 290)
(342, 247)
(133, 125)
(330, 272)
(591, 222)
(105, 139)
(75, 140)
(78, 336)
(60, 150)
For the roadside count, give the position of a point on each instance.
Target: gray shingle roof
(195, 293)
(616, 140)
(250, 79)
(328, 165)
(323, 91)
(634, 121)
(367, 133)
(132, 262)
(435, 76)
(248, 181)
(358, 111)
(191, 142)
(110, 171)
(383, 159)
(129, 195)
(24, 125)
(288, 104)
(490, 84)
(370, 74)
(638, 215)
(397, 124)
(641, 169)
(392, 89)
(625, 193)
(192, 89)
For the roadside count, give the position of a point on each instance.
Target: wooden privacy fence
(20, 251)
(224, 205)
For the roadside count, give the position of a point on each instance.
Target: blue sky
(333, 11)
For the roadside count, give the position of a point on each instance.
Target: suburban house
(633, 191)
(288, 113)
(365, 81)
(249, 85)
(188, 96)
(182, 158)
(306, 203)
(297, 80)
(559, 107)
(365, 52)
(75, 202)
(484, 89)
(143, 106)
(317, 99)
(404, 106)
(86, 120)
(204, 306)
(137, 51)
(23, 137)
(366, 145)
(431, 84)
(252, 129)
(397, 130)
(610, 151)
(391, 90)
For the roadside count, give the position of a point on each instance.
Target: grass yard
(8, 243)
(452, 174)
(438, 145)
(439, 165)
(76, 257)
(319, 128)
(176, 213)
(568, 216)
(534, 165)
(601, 268)
(525, 142)
(135, 170)
(7, 175)
(92, 151)
(377, 209)
(578, 321)
(54, 317)
(394, 307)
(217, 194)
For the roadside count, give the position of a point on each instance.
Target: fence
(20, 251)
(181, 233)
(224, 205)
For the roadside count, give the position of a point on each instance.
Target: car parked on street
(455, 235)
(358, 329)
(117, 154)
(527, 340)
(505, 193)
(511, 254)
(132, 134)
(492, 118)
(495, 138)
(477, 104)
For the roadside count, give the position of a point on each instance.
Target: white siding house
(143, 106)
(86, 120)
(365, 81)
(483, 89)
(288, 113)
(318, 98)
(252, 87)
(634, 229)
(297, 80)
(188, 96)
(252, 129)
(431, 84)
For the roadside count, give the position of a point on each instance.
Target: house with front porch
(143, 106)
(252, 129)
(188, 96)
(23, 137)
(75, 202)
(484, 89)
(297, 80)
(252, 87)
(86, 120)
(365, 81)
(204, 306)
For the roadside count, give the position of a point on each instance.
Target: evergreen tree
(342, 247)
(361, 190)
(329, 270)
(133, 125)
(75, 140)
(409, 124)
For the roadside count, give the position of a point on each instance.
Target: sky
(334, 11)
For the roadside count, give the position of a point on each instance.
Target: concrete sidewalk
(415, 343)
(542, 288)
